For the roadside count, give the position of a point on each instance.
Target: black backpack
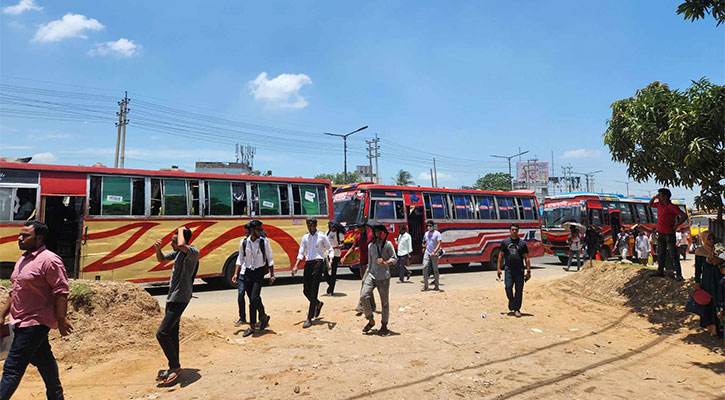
(261, 248)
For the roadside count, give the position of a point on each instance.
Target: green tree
(675, 137)
(339, 178)
(496, 181)
(403, 178)
(696, 9)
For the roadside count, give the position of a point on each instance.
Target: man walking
(256, 259)
(312, 249)
(592, 238)
(381, 256)
(432, 243)
(336, 236)
(38, 302)
(669, 217)
(683, 241)
(361, 242)
(623, 243)
(405, 247)
(181, 285)
(512, 254)
(238, 278)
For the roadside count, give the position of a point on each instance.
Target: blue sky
(459, 80)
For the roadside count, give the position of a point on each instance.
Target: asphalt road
(546, 267)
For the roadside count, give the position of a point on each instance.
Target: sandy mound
(108, 317)
(661, 301)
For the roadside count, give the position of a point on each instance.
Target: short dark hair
(311, 220)
(516, 225)
(39, 228)
(403, 227)
(187, 234)
(430, 223)
(665, 192)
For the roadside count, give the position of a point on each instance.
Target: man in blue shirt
(512, 254)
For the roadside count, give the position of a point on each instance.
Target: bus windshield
(554, 217)
(349, 207)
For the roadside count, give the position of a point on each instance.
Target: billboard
(537, 171)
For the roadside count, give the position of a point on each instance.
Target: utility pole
(509, 160)
(371, 143)
(122, 122)
(432, 184)
(435, 173)
(626, 183)
(590, 179)
(118, 134)
(344, 139)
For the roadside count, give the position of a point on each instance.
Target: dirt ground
(606, 332)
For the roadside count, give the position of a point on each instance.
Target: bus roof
(166, 174)
(366, 185)
(605, 196)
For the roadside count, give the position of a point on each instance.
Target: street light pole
(344, 140)
(509, 160)
(627, 184)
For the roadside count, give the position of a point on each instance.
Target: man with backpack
(181, 285)
(312, 249)
(238, 278)
(256, 260)
(336, 236)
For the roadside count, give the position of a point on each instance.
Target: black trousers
(168, 332)
(331, 277)
(311, 281)
(402, 266)
(514, 281)
(241, 304)
(667, 252)
(253, 280)
(30, 346)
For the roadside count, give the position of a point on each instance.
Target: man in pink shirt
(669, 217)
(38, 303)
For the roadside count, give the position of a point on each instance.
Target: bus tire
(604, 253)
(460, 267)
(494, 257)
(355, 272)
(563, 259)
(228, 271)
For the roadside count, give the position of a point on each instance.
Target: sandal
(248, 332)
(369, 326)
(265, 323)
(168, 376)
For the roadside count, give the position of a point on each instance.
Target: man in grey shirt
(381, 255)
(186, 263)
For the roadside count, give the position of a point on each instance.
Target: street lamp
(509, 160)
(344, 139)
(627, 184)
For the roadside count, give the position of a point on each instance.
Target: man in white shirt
(256, 258)
(336, 236)
(238, 278)
(405, 247)
(312, 249)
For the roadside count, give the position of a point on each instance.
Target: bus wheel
(460, 267)
(225, 280)
(355, 272)
(604, 254)
(563, 259)
(494, 257)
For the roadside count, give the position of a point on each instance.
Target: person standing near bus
(181, 286)
(669, 217)
(575, 246)
(238, 278)
(312, 248)
(642, 247)
(513, 253)
(361, 242)
(592, 238)
(622, 243)
(336, 236)
(432, 243)
(257, 260)
(683, 239)
(38, 302)
(381, 256)
(405, 247)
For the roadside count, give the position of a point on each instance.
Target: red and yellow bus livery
(608, 212)
(472, 222)
(103, 221)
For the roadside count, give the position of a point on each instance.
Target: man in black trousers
(312, 249)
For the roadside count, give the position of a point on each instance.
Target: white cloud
(580, 153)
(120, 48)
(24, 5)
(70, 26)
(43, 157)
(282, 91)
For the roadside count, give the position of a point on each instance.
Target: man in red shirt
(38, 303)
(669, 217)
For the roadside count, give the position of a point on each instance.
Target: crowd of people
(39, 297)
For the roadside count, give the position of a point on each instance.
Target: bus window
(506, 208)
(382, 209)
(155, 196)
(462, 207)
(322, 197)
(400, 210)
(265, 199)
(626, 213)
(218, 199)
(641, 214)
(116, 196)
(348, 207)
(307, 201)
(138, 196)
(174, 197)
(595, 216)
(239, 199)
(436, 206)
(18, 203)
(194, 196)
(284, 198)
(654, 215)
(486, 207)
(527, 208)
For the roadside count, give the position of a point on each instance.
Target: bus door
(416, 219)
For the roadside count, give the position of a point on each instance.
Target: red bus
(471, 222)
(103, 221)
(608, 212)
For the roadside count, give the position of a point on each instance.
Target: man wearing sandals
(186, 261)
(381, 255)
(513, 254)
(256, 260)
